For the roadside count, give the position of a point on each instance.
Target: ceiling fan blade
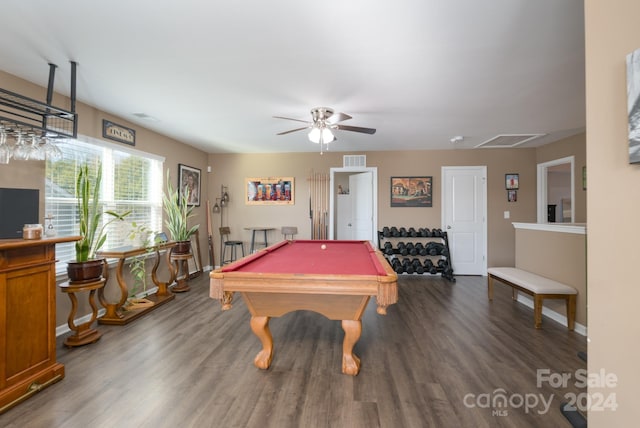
(355, 129)
(292, 130)
(338, 117)
(290, 118)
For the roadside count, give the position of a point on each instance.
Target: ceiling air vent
(508, 140)
(350, 161)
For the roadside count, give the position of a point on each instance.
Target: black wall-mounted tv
(17, 208)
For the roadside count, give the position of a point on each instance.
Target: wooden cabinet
(27, 318)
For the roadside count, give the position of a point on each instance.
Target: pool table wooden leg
(260, 327)
(350, 362)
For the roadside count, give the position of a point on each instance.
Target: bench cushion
(531, 281)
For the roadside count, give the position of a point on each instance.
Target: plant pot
(182, 247)
(91, 270)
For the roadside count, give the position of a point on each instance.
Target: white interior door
(464, 209)
(361, 191)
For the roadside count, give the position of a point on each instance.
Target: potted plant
(178, 212)
(140, 236)
(92, 231)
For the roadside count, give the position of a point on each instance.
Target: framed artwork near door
(269, 191)
(411, 191)
(511, 181)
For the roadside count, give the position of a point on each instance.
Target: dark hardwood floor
(440, 358)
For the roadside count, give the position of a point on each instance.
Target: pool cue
(210, 235)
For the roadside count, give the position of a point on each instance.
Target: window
(131, 180)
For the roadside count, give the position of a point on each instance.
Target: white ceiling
(214, 73)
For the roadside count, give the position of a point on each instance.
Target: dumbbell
(403, 232)
(397, 266)
(388, 248)
(386, 232)
(429, 267)
(442, 263)
(426, 232)
(412, 249)
(394, 231)
(402, 249)
(413, 232)
(408, 267)
(420, 248)
(417, 266)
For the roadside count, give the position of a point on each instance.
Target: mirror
(556, 193)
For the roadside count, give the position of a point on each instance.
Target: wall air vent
(351, 161)
(508, 140)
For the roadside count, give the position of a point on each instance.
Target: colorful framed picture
(269, 191)
(512, 195)
(189, 179)
(511, 181)
(411, 191)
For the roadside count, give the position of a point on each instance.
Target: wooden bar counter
(28, 318)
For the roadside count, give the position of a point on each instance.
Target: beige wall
(232, 169)
(613, 206)
(572, 146)
(556, 255)
(30, 174)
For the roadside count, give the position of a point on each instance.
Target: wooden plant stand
(180, 267)
(83, 333)
(115, 313)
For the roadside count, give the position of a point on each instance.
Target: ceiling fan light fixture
(318, 135)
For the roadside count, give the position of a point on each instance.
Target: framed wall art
(269, 191)
(411, 191)
(189, 178)
(633, 104)
(511, 181)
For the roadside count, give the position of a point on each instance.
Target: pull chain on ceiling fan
(324, 121)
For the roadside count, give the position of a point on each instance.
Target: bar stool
(224, 235)
(289, 230)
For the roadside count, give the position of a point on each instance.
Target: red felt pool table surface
(309, 257)
(336, 281)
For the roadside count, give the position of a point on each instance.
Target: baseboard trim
(557, 317)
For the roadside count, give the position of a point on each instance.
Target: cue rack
(319, 204)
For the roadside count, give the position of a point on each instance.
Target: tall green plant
(178, 211)
(90, 214)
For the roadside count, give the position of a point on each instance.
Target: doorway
(353, 192)
(464, 213)
(556, 191)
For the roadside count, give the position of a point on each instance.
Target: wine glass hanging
(23, 143)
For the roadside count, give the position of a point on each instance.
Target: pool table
(333, 278)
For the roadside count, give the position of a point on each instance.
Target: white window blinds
(131, 181)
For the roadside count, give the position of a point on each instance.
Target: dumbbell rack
(421, 251)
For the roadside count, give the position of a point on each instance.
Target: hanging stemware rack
(38, 123)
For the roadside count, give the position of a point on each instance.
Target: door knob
(448, 227)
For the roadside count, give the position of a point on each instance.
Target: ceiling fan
(324, 121)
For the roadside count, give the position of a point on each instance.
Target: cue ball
(324, 247)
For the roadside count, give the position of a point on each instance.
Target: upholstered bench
(538, 287)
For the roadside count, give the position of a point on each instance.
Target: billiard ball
(323, 247)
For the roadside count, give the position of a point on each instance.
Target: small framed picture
(189, 180)
(512, 195)
(511, 181)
